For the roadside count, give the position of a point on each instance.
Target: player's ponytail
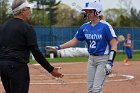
(102, 17)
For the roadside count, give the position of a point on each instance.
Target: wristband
(112, 55)
(58, 47)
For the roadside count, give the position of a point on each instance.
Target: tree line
(53, 13)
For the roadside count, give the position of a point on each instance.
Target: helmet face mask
(90, 10)
(95, 12)
(89, 14)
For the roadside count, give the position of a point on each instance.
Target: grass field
(119, 57)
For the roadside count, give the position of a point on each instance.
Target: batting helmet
(96, 6)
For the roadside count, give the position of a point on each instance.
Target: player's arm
(112, 55)
(113, 44)
(125, 44)
(69, 44)
(112, 38)
(79, 36)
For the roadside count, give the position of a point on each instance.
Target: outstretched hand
(50, 48)
(56, 73)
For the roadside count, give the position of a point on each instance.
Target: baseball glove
(121, 38)
(51, 49)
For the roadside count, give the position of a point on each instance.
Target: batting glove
(108, 67)
(58, 47)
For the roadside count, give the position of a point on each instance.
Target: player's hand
(50, 48)
(108, 67)
(56, 73)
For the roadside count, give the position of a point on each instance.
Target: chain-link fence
(58, 35)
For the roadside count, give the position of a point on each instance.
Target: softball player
(101, 40)
(128, 49)
(17, 39)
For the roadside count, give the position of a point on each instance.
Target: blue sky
(106, 3)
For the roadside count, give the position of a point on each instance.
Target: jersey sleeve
(110, 32)
(80, 35)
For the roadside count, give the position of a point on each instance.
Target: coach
(17, 39)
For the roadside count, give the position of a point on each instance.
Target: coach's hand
(108, 67)
(55, 72)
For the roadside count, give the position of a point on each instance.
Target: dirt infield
(125, 79)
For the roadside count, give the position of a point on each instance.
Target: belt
(98, 54)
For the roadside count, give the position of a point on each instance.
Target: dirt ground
(125, 79)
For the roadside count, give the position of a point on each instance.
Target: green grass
(122, 56)
(62, 60)
(119, 57)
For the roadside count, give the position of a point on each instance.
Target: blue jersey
(97, 37)
(128, 42)
(128, 50)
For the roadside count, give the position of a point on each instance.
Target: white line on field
(127, 77)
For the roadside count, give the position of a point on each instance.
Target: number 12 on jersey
(92, 44)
